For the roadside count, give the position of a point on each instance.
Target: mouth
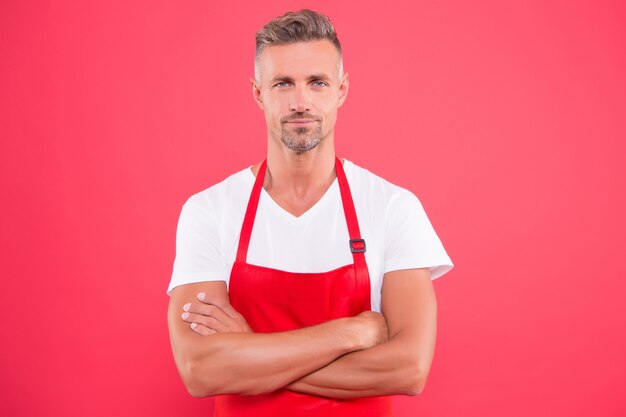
(300, 122)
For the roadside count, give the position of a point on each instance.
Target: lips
(300, 121)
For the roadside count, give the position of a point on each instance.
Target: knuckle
(202, 310)
(196, 317)
(204, 320)
(213, 323)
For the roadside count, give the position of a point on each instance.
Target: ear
(343, 89)
(256, 93)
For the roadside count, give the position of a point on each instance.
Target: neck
(300, 172)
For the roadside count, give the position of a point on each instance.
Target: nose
(300, 100)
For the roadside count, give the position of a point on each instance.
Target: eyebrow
(309, 78)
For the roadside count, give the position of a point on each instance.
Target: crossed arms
(371, 354)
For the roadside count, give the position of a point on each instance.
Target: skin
(299, 82)
(300, 90)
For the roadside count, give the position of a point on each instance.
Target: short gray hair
(301, 26)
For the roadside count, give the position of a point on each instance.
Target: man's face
(299, 90)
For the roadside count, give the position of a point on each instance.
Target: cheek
(277, 106)
(330, 112)
(329, 105)
(272, 118)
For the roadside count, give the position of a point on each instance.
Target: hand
(372, 329)
(214, 315)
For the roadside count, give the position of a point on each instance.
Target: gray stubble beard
(302, 139)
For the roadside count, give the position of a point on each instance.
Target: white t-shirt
(393, 223)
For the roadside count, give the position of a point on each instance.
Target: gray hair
(301, 26)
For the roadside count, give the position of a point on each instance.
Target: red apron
(273, 301)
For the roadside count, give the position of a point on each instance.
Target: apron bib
(272, 300)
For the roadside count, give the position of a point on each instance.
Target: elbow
(415, 380)
(201, 375)
(415, 388)
(197, 392)
(195, 380)
(196, 386)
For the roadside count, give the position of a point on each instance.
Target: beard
(301, 139)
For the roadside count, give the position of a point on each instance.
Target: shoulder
(375, 189)
(223, 195)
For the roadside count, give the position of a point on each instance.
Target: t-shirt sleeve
(410, 240)
(197, 246)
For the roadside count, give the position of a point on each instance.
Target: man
(278, 267)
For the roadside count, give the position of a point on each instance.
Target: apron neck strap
(356, 243)
(248, 220)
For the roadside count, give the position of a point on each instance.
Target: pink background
(507, 119)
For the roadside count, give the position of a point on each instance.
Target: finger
(202, 329)
(234, 319)
(219, 302)
(230, 310)
(209, 309)
(207, 321)
(226, 307)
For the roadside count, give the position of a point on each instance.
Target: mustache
(296, 116)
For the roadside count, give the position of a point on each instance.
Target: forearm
(386, 369)
(254, 363)
(399, 366)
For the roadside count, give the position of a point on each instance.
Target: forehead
(299, 59)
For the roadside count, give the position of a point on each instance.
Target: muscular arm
(399, 366)
(252, 363)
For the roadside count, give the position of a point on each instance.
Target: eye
(282, 84)
(319, 83)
